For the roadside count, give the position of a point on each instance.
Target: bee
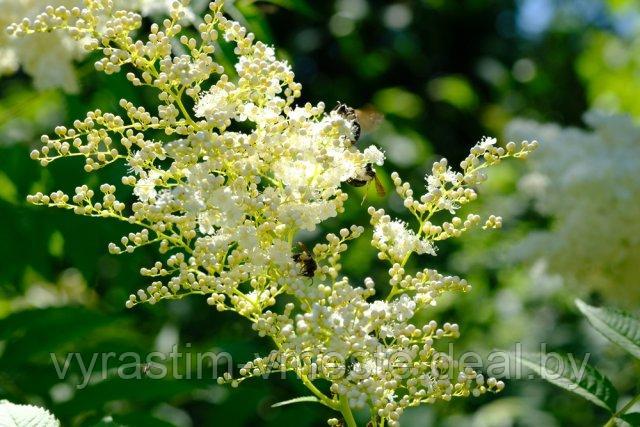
(365, 177)
(308, 265)
(350, 114)
(366, 119)
(349, 365)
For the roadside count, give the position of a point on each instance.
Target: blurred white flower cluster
(159, 8)
(49, 57)
(224, 176)
(587, 183)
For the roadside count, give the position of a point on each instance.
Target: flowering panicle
(239, 172)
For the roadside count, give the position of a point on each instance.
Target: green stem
(320, 395)
(183, 110)
(622, 411)
(346, 411)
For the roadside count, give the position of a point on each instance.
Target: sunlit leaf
(455, 90)
(302, 399)
(25, 415)
(399, 102)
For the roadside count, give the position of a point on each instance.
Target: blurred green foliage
(442, 74)
(610, 63)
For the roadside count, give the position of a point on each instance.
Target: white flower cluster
(394, 239)
(49, 57)
(224, 177)
(587, 183)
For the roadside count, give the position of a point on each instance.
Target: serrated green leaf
(25, 415)
(633, 418)
(302, 399)
(581, 379)
(619, 327)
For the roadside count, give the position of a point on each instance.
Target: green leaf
(25, 415)
(255, 22)
(35, 333)
(633, 418)
(583, 380)
(296, 400)
(134, 390)
(619, 327)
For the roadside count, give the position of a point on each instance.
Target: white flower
(378, 308)
(217, 106)
(403, 308)
(298, 174)
(399, 241)
(216, 243)
(246, 236)
(280, 253)
(306, 217)
(145, 188)
(207, 221)
(486, 142)
(372, 154)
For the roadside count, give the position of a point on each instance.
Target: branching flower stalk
(239, 172)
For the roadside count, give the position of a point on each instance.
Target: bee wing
(369, 118)
(379, 187)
